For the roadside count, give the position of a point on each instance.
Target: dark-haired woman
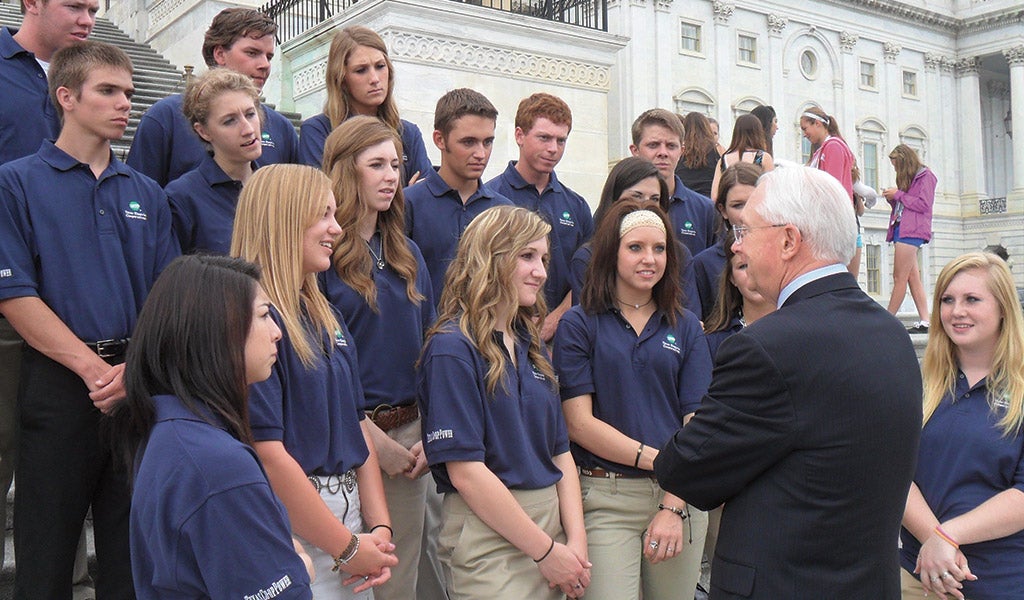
(696, 168)
(204, 520)
(637, 179)
(633, 365)
(379, 283)
(769, 122)
(493, 432)
(748, 145)
(735, 187)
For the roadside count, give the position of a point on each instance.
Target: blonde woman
(964, 523)
(223, 108)
(512, 524)
(380, 285)
(361, 81)
(312, 440)
(910, 227)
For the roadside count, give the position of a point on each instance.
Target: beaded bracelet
(347, 554)
(673, 509)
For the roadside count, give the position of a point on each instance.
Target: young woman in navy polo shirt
(737, 305)
(494, 435)
(224, 109)
(361, 81)
(963, 529)
(308, 431)
(380, 285)
(634, 178)
(204, 521)
(633, 365)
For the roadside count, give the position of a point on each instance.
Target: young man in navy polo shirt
(82, 239)
(165, 147)
(27, 117)
(543, 123)
(438, 209)
(658, 137)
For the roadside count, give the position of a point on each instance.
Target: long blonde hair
(351, 256)
(479, 283)
(276, 207)
(337, 107)
(1006, 379)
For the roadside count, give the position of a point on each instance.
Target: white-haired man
(809, 431)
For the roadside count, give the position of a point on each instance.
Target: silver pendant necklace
(378, 257)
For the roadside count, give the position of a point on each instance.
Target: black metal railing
(294, 17)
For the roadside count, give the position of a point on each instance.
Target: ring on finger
(945, 574)
(936, 578)
(654, 544)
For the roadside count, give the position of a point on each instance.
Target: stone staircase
(154, 78)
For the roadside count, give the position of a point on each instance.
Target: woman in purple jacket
(910, 226)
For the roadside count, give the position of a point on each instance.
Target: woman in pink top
(834, 157)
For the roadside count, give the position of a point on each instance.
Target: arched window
(694, 100)
(744, 105)
(916, 138)
(871, 139)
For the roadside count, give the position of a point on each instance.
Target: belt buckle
(349, 480)
(313, 479)
(110, 348)
(381, 410)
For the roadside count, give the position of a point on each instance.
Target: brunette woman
(700, 154)
(769, 122)
(633, 365)
(204, 521)
(748, 145)
(380, 285)
(910, 227)
(224, 109)
(361, 81)
(493, 430)
(309, 434)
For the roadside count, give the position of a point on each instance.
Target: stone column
(972, 151)
(893, 78)
(848, 74)
(1015, 56)
(725, 63)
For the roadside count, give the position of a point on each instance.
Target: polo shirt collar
(9, 48)
(439, 188)
(515, 179)
(171, 408)
(213, 174)
(62, 161)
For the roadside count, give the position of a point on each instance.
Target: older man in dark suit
(809, 430)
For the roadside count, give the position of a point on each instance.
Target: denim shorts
(915, 242)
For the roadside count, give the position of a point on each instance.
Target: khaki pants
(406, 501)
(617, 512)
(479, 563)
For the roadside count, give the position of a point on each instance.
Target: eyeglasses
(741, 231)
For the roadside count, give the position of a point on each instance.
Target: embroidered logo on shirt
(273, 591)
(1003, 402)
(669, 343)
(134, 211)
(687, 229)
(6, 273)
(266, 141)
(339, 339)
(440, 434)
(537, 374)
(567, 220)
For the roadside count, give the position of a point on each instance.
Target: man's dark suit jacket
(809, 435)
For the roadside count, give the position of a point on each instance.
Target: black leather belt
(109, 348)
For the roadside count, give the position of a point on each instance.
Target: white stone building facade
(943, 76)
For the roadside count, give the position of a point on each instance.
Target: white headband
(640, 218)
(819, 118)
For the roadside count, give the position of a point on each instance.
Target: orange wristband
(945, 536)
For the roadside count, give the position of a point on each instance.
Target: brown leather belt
(389, 417)
(602, 474)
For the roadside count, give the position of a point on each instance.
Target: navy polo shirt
(641, 385)
(89, 248)
(707, 271)
(435, 218)
(203, 203)
(693, 217)
(166, 147)
(27, 116)
(515, 433)
(204, 522)
(390, 339)
(964, 460)
(567, 213)
(313, 135)
(715, 338)
(691, 298)
(313, 411)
